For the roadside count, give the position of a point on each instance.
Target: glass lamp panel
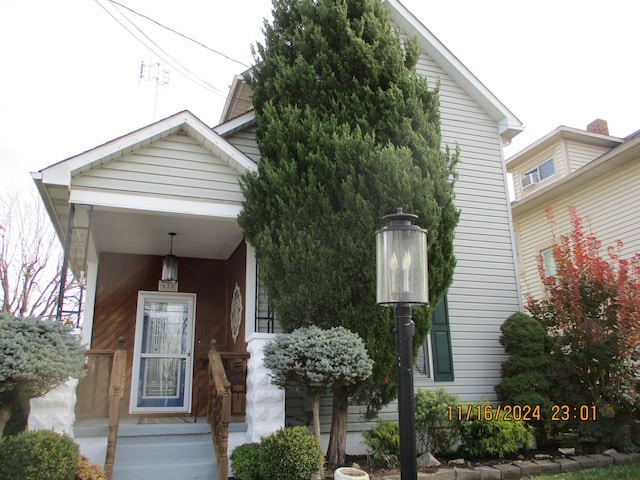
(402, 266)
(170, 268)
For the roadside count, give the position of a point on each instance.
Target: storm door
(162, 362)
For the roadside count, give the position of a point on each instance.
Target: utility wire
(190, 75)
(180, 34)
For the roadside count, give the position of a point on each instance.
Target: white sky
(70, 72)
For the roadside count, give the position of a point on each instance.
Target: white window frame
(548, 262)
(533, 176)
(425, 352)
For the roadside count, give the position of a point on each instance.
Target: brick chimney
(598, 126)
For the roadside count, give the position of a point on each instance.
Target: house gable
(176, 166)
(571, 149)
(508, 124)
(176, 171)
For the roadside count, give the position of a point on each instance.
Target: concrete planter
(350, 473)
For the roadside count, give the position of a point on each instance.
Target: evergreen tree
(317, 360)
(348, 132)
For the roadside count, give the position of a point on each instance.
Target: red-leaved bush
(591, 310)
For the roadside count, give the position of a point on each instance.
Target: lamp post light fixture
(402, 281)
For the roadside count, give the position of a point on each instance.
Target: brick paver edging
(525, 468)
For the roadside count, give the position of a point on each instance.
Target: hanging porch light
(169, 281)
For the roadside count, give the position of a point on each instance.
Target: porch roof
(139, 189)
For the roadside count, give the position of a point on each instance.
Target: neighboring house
(178, 175)
(587, 169)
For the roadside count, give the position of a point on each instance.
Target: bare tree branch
(30, 258)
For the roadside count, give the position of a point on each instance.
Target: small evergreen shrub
(496, 437)
(290, 454)
(39, 455)
(246, 461)
(526, 374)
(383, 443)
(435, 431)
(89, 471)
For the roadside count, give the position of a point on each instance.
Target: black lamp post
(401, 254)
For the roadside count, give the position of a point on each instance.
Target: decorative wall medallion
(236, 313)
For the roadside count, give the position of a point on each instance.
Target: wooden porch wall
(122, 276)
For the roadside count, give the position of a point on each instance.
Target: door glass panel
(165, 327)
(163, 354)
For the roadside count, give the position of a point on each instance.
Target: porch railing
(219, 410)
(104, 367)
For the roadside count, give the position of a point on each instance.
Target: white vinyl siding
(245, 141)
(611, 205)
(580, 154)
(484, 290)
(177, 166)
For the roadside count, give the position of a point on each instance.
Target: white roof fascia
(508, 124)
(231, 97)
(554, 136)
(240, 161)
(61, 172)
(149, 203)
(236, 123)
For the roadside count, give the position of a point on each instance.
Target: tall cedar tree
(348, 132)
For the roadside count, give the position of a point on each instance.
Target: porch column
(89, 302)
(265, 401)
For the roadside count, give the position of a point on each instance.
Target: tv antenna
(154, 72)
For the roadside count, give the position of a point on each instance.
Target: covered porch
(113, 208)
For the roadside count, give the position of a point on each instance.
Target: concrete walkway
(525, 468)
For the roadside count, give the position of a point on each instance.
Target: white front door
(162, 362)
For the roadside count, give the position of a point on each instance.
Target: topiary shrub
(89, 471)
(496, 437)
(246, 461)
(383, 442)
(316, 360)
(35, 357)
(39, 454)
(526, 374)
(435, 431)
(290, 454)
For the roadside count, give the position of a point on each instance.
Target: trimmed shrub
(290, 454)
(246, 461)
(526, 374)
(89, 471)
(35, 357)
(383, 442)
(435, 431)
(496, 437)
(39, 454)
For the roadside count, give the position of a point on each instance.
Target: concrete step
(165, 451)
(180, 451)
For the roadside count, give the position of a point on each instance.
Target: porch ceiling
(147, 233)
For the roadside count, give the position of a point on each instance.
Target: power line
(189, 74)
(180, 34)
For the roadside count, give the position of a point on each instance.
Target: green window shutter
(441, 343)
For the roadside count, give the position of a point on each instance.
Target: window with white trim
(435, 358)
(543, 171)
(548, 263)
